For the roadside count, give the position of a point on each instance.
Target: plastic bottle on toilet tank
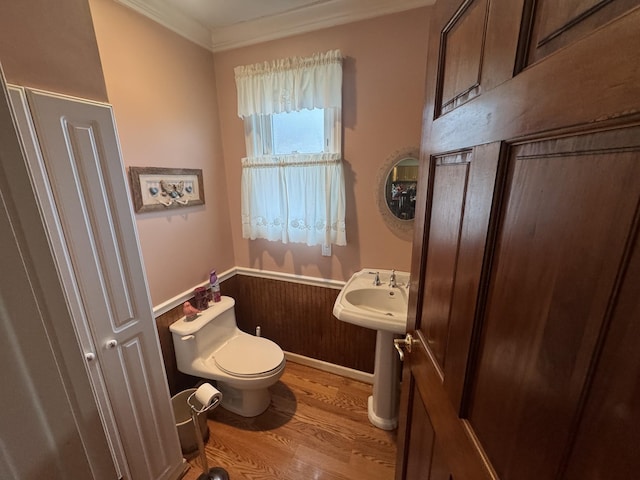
(215, 286)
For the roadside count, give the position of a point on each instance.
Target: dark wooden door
(526, 265)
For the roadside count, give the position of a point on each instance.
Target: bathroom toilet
(245, 366)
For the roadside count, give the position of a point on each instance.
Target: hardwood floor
(315, 428)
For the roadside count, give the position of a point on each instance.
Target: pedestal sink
(375, 304)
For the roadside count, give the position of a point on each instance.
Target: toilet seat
(249, 356)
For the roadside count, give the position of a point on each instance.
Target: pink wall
(383, 95)
(51, 46)
(173, 108)
(163, 91)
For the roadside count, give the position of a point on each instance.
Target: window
(292, 177)
(304, 131)
(299, 132)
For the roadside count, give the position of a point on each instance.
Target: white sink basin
(378, 307)
(382, 308)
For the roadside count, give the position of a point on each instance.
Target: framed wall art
(156, 188)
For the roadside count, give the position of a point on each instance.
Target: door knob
(90, 356)
(111, 343)
(406, 342)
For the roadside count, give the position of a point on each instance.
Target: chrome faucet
(392, 279)
(376, 279)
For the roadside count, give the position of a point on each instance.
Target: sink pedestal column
(383, 404)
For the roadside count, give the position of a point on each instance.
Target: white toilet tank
(212, 327)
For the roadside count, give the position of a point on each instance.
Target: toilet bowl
(212, 346)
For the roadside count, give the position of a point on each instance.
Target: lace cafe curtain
(297, 197)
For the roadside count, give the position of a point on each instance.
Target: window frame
(259, 128)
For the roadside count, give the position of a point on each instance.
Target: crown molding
(314, 17)
(173, 19)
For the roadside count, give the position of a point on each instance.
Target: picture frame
(157, 188)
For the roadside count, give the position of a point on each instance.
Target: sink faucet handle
(376, 279)
(392, 279)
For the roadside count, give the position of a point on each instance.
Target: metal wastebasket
(184, 424)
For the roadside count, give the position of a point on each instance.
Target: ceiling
(224, 24)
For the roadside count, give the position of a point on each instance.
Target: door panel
(449, 190)
(607, 441)
(439, 470)
(460, 198)
(420, 450)
(477, 50)
(554, 24)
(568, 90)
(569, 208)
(461, 202)
(481, 200)
(529, 372)
(462, 54)
(457, 451)
(85, 198)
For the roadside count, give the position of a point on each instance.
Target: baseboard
(330, 367)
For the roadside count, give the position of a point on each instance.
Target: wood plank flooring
(316, 428)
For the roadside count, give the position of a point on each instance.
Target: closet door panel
(94, 237)
(570, 204)
(87, 415)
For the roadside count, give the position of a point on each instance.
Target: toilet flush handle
(187, 337)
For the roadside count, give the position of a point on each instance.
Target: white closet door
(49, 423)
(83, 190)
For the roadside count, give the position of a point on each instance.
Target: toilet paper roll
(207, 394)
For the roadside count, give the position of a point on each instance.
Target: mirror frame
(401, 228)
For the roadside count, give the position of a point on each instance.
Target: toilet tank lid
(189, 327)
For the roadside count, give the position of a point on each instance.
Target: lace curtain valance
(297, 197)
(290, 84)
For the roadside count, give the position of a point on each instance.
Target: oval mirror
(396, 193)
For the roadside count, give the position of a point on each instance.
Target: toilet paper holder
(208, 397)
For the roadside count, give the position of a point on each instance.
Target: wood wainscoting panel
(299, 318)
(296, 316)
